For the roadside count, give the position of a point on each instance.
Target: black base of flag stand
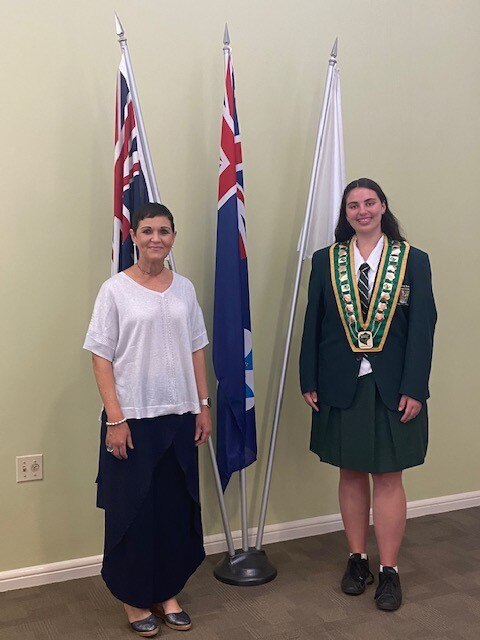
(245, 568)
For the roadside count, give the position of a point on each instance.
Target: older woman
(364, 368)
(147, 336)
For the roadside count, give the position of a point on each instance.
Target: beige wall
(411, 101)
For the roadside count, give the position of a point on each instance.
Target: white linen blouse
(149, 338)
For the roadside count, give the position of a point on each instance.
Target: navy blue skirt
(153, 529)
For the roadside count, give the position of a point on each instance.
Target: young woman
(147, 336)
(364, 369)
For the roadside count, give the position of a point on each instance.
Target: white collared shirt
(373, 261)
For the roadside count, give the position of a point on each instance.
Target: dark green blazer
(329, 366)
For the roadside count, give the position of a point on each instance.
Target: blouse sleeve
(197, 324)
(102, 334)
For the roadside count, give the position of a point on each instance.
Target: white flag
(329, 181)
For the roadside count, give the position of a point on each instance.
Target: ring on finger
(109, 448)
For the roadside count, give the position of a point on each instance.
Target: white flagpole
(156, 196)
(303, 240)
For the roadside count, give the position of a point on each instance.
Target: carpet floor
(439, 569)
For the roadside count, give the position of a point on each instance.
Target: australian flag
(131, 187)
(232, 337)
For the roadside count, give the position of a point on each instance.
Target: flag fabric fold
(330, 176)
(131, 187)
(232, 337)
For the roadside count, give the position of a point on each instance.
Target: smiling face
(364, 211)
(154, 238)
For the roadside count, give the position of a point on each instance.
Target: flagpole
(242, 473)
(221, 500)
(156, 196)
(249, 566)
(122, 39)
(308, 214)
(243, 507)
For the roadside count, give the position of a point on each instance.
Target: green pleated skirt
(368, 436)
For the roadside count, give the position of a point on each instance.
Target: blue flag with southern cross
(232, 337)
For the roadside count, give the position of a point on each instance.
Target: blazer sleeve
(312, 327)
(421, 326)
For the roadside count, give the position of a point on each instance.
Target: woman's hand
(119, 438)
(203, 426)
(311, 399)
(410, 407)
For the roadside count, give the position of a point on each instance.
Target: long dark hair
(390, 225)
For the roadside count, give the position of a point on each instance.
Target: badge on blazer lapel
(404, 294)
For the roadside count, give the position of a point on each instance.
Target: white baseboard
(48, 573)
(86, 567)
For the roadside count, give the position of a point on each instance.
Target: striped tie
(363, 289)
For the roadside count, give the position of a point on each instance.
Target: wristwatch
(206, 402)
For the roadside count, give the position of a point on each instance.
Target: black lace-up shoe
(356, 576)
(388, 595)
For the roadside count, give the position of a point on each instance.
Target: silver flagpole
(156, 195)
(243, 506)
(221, 500)
(248, 567)
(242, 473)
(122, 39)
(281, 387)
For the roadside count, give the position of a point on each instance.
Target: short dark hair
(151, 210)
(390, 225)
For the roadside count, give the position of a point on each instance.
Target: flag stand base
(245, 569)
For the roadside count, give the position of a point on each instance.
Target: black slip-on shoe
(356, 576)
(147, 628)
(388, 595)
(179, 621)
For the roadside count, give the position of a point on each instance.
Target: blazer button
(358, 358)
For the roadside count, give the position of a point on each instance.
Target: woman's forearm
(200, 370)
(203, 422)
(103, 372)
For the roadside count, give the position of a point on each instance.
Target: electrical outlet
(30, 467)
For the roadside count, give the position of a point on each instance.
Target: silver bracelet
(114, 424)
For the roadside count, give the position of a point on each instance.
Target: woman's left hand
(203, 426)
(410, 407)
